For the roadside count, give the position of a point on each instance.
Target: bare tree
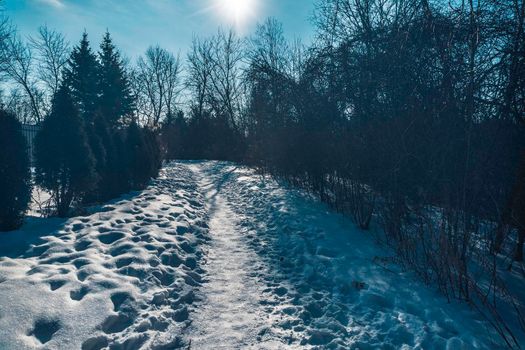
(6, 31)
(271, 65)
(17, 102)
(298, 58)
(268, 48)
(157, 84)
(215, 75)
(512, 108)
(200, 68)
(17, 64)
(226, 95)
(53, 53)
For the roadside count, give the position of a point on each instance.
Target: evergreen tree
(112, 176)
(82, 78)
(64, 161)
(98, 145)
(116, 99)
(15, 177)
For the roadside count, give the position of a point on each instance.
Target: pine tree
(116, 99)
(15, 177)
(64, 161)
(82, 78)
(100, 155)
(112, 175)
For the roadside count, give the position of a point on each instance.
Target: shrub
(141, 161)
(15, 176)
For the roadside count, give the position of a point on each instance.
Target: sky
(137, 24)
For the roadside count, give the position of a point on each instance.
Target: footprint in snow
(44, 329)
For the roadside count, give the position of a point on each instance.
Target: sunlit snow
(214, 256)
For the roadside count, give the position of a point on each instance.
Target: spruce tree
(100, 156)
(116, 98)
(82, 78)
(64, 161)
(15, 176)
(116, 102)
(112, 174)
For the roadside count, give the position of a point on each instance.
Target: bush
(15, 177)
(119, 176)
(143, 155)
(154, 152)
(173, 137)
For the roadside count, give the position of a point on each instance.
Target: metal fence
(30, 132)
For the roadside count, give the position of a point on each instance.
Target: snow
(121, 277)
(214, 256)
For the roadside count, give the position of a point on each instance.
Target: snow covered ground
(213, 256)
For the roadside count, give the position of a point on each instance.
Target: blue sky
(136, 24)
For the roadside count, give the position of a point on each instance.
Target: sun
(239, 12)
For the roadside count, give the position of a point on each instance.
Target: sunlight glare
(238, 11)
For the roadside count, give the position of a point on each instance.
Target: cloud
(54, 3)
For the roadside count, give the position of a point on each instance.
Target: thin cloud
(54, 3)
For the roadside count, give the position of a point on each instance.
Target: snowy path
(229, 314)
(283, 272)
(213, 256)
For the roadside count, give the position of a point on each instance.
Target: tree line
(406, 115)
(90, 147)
